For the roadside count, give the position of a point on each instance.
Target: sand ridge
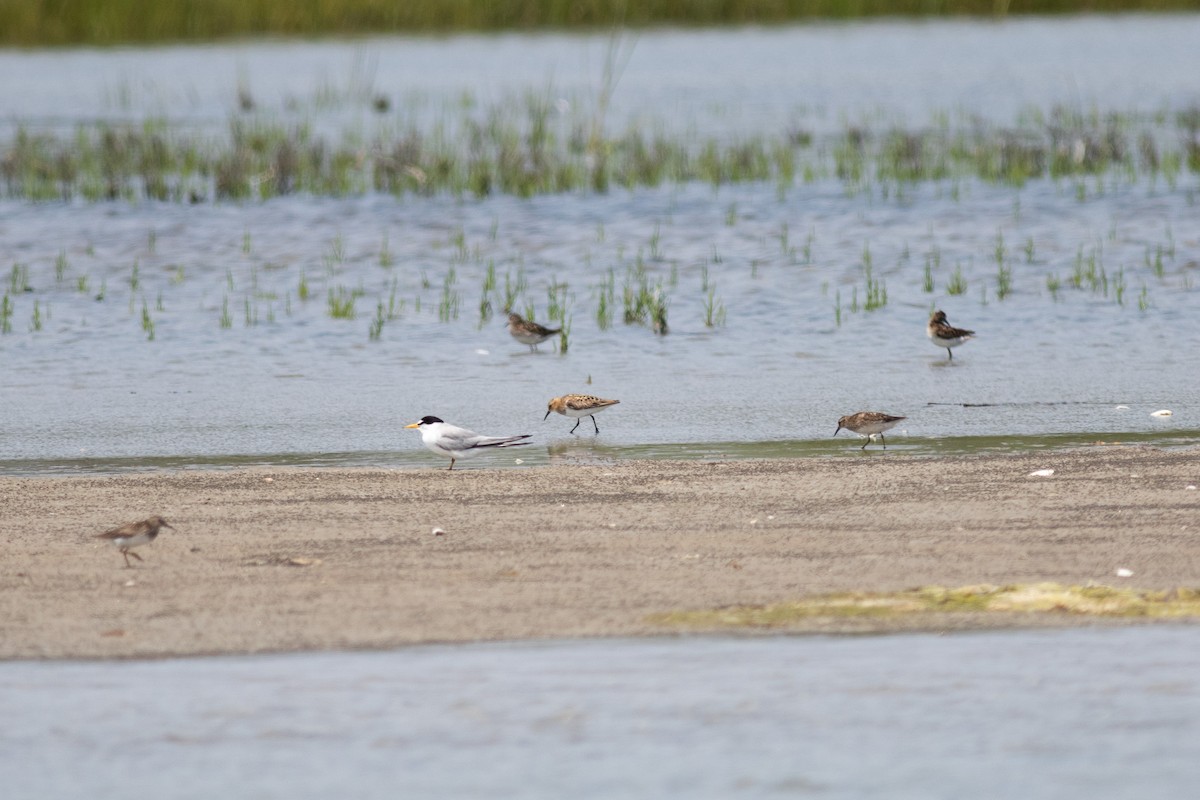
(315, 559)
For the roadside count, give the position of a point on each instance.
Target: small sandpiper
(528, 332)
(579, 406)
(135, 534)
(869, 424)
(943, 334)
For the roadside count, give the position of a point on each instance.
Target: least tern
(454, 442)
(529, 332)
(134, 534)
(869, 424)
(943, 334)
(579, 406)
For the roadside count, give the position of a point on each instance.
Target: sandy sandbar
(316, 559)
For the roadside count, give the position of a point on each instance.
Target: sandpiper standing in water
(528, 332)
(134, 534)
(943, 334)
(578, 406)
(869, 424)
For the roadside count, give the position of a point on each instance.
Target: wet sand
(314, 559)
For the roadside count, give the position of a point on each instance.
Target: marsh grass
(375, 330)
(18, 279)
(1003, 281)
(341, 302)
(564, 337)
(958, 282)
(606, 298)
(6, 314)
(524, 146)
(147, 322)
(450, 298)
(107, 22)
(714, 309)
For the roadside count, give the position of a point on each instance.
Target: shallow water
(733, 79)
(283, 382)
(1024, 715)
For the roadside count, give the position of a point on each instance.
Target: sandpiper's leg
(593, 416)
(867, 442)
(883, 440)
(125, 553)
(451, 465)
(950, 353)
(576, 424)
(135, 555)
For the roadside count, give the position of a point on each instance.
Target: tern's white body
(455, 443)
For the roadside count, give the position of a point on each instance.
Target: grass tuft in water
(375, 330)
(714, 309)
(958, 282)
(341, 302)
(18, 279)
(147, 322)
(1003, 281)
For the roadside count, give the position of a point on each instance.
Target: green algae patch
(1033, 598)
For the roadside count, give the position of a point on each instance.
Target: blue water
(1103, 714)
(84, 389)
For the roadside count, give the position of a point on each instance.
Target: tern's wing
(500, 441)
(453, 437)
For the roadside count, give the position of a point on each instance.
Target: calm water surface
(243, 370)
(1024, 715)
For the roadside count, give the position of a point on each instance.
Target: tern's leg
(576, 424)
(593, 416)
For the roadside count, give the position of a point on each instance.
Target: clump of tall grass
(18, 279)
(606, 298)
(958, 282)
(341, 302)
(714, 309)
(375, 330)
(6, 313)
(644, 304)
(147, 322)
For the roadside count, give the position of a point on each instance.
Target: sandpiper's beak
(414, 425)
(547, 416)
(839, 430)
